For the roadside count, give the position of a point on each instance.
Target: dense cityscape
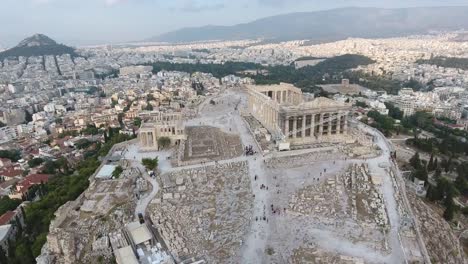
(235, 151)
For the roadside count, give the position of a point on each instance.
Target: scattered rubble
(206, 211)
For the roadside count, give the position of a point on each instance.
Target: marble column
(155, 140)
(143, 139)
(338, 123)
(345, 130)
(273, 117)
(312, 125)
(303, 134)
(330, 123)
(270, 116)
(294, 126)
(147, 140)
(262, 113)
(267, 115)
(286, 127)
(321, 125)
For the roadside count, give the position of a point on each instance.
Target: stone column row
(293, 133)
(280, 96)
(148, 139)
(269, 115)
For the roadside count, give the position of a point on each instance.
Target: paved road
(132, 154)
(144, 201)
(386, 145)
(379, 166)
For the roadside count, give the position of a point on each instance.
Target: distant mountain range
(332, 25)
(37, 45)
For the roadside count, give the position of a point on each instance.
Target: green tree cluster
(446, 192)
(419, 168)
(71, 133)
(117, 171)
(393, 111)
(90, 129)
(7, 204)
(137, 121)
(383, 123)
(164, 142)
(56, 166)
(331, 70)
(446, 62)
(35, 162)
(11, 154)
(65, 186)
(150, 164)
(83, 143)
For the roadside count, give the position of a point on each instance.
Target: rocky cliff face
(36, 40)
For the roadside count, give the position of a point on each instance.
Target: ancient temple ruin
(290, 116)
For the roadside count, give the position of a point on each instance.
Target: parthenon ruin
(286, 113)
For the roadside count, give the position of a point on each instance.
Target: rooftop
(106, 171)
(6, 217)
(139, 232)
(125, 255)
(4, 231)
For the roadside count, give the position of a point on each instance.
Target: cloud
(41, 1)
(114, 2)
(278, 3)
(194, 6)
(107, 2)
(201, 8)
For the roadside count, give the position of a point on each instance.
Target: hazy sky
(82, 22)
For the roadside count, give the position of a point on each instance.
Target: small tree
(415, 161)
(3, 257)
(449, 212)
(164, 142)
(150, 164)
(120, 117)
(137, 121)
(430, 165)
(421, 174)
(117, 171)
(35, 162)
(438, 173)
(27, 116)
(448, 165)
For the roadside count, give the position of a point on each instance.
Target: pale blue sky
(81, 22)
